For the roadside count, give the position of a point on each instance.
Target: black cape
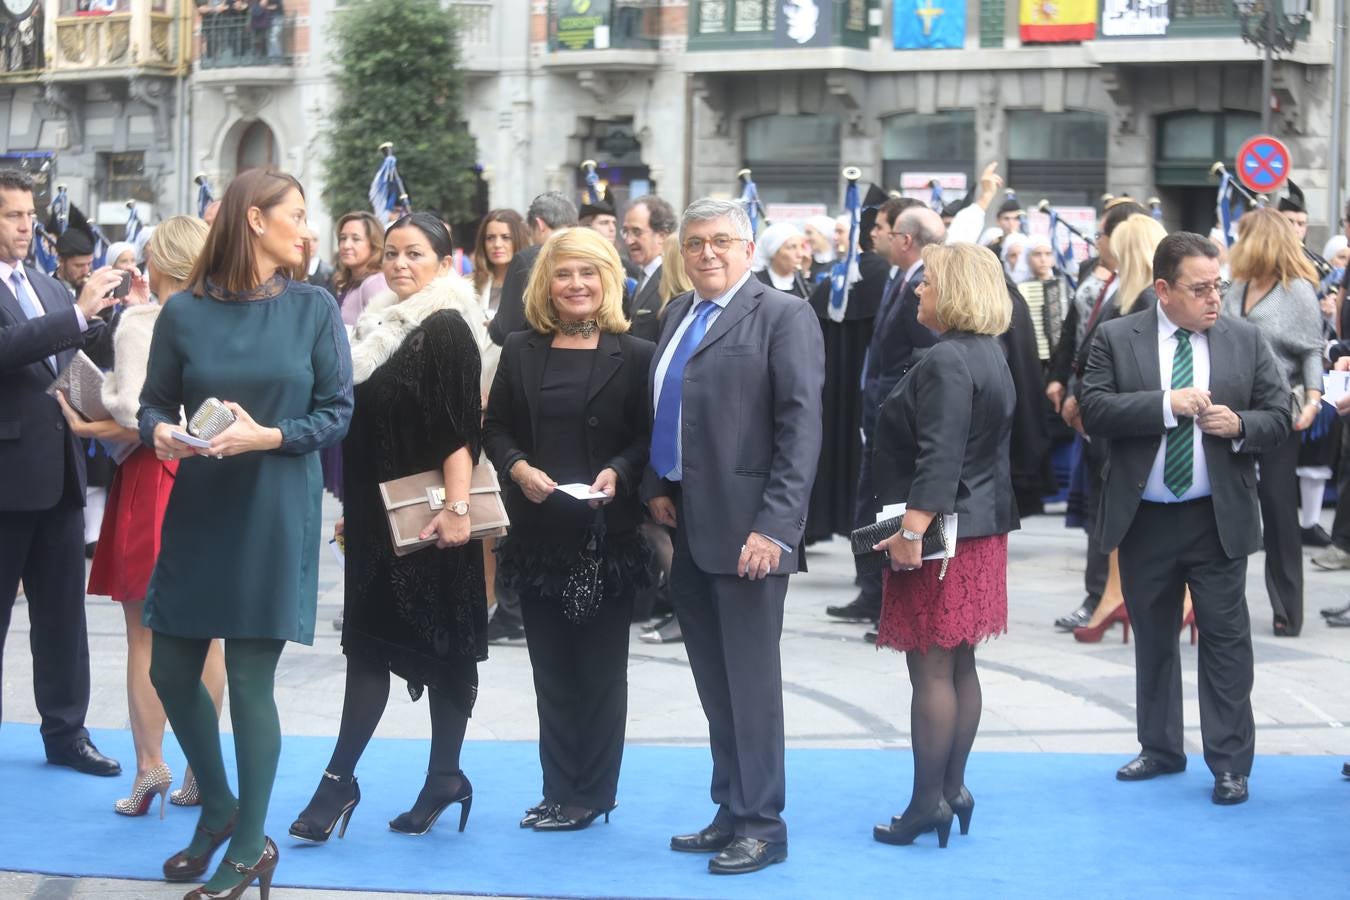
(1030, 446)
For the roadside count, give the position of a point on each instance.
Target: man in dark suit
(1187, 401)
(736, 385)
(909, 226)
(547, 213)
(646, 225)
(42, 477)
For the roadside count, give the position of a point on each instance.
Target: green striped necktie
(1179, 458)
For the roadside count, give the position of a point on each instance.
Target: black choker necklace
(585, 328)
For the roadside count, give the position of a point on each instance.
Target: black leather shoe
(1345, 770)
(667, 631)
(1341, 620)
(747, 854)
(1076, 619)
(870, 637)
(571, 818)
(1329, 611)
(1315, 536)
(1144, 767)
(857, 611)
(536, 814)
(709, 840)
(82, 756)
(1230, 789)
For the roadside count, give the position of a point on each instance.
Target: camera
(123, 287)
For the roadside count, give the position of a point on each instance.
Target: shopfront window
(795, 158)
(733, 16)
(917, 144)
(1060, 157)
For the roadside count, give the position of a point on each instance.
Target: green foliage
(398, 80)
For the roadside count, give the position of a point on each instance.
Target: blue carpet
(1045, 824)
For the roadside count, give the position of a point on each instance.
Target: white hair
(708, 210)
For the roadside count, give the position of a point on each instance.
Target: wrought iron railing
(228, 40)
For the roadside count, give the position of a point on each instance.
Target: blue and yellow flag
(929, 24)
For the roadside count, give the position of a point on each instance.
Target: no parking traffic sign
(1263, 164)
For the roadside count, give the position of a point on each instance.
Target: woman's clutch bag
(210, 419)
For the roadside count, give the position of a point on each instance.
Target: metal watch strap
(911, 535)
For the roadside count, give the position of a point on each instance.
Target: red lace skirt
(969, 605)
(128, 543)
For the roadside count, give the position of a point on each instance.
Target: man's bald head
(916, 228)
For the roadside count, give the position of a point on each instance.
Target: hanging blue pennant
(43, 252)
(388, 197)
(845, 272)
(750, 199)
(204, 196)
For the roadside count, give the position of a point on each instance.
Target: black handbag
(584, 588)
(866, 559)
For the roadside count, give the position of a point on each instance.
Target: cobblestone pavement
(1042, 690)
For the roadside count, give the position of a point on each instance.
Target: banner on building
(929, 24)
(1134, 18)
(804, 23)
(1058, 21)
(933, 189)
(582, 25)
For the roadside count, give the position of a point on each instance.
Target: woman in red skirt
(128, 543)
(942, 448)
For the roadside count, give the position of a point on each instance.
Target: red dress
(969, 605)
(128, 543)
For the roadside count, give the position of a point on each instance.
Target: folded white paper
(1335, 385)
(896, 510)
(190, 440)
(581, 491)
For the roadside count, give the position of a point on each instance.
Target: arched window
(257, 148)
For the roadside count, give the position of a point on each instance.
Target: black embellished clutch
(866, 560)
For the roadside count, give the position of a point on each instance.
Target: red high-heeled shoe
(1086, 634)
(1189, 621)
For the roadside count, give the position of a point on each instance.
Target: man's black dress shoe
(856, 611)
(1345, 770)
(747, 854)
(1329, 611)
(709, 840)
(1144, 767)
(1230, 789)
(82, 756)
(1340, 620)
(1076, 619)
(870, 637)
(1315, 536)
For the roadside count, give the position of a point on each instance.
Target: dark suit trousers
(732, 628)
(1340, 526)
(46, 550)
(1278, 493)
(581, 687)
(1098, 566)
(865, 509)
(1168, 547)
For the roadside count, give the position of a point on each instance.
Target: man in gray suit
(646, 225)
(1187, 400)
(736, 386)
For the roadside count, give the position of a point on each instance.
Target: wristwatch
(459, 507)
(910, 535)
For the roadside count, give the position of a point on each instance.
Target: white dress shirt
(1155, 491)
(647, 272)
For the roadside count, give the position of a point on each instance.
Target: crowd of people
(676, 409)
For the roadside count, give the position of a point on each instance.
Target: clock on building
(18, 10)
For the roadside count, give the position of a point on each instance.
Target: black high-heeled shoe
(963, 807)
(183, 867)
(335, 798)
(536, 814)
(900, 832)
(409, 823)
(573, 818)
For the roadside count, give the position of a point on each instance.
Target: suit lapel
(1220, 358)
(608, 361)
(675, 313)
(532, 374)
(741, 305)
(10, 304)
(1144, 343)
(652, 287)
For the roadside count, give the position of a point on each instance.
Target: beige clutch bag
(82, 384)
(411, 502)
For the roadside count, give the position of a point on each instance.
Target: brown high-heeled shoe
(1092, 634)
(261, 870)
(181, 867)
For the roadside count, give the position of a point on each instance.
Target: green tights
(250, 666)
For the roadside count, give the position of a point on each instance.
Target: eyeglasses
(632, 232)
(1205, 288)
(721, 243)
(898, 233)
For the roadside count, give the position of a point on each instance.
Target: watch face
(19, 9)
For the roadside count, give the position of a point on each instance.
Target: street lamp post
(1275, 26)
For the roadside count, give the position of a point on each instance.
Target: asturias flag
(929, 24)
(1055, 21)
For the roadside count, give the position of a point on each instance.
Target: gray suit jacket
(751, 425)
(1121, 401)
(644, 310)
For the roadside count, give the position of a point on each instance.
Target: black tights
(944, 716)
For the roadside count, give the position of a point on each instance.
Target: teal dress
(240, 547)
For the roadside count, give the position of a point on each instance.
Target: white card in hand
(1335, 385)
(581, 491)
(189, 440)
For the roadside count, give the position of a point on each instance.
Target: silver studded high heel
(155, 781)
(187, 794)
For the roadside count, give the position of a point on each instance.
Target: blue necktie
(666, 428)
(27, 305)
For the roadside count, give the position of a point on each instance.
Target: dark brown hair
(520, 239)
(375, 235)
(229, 258)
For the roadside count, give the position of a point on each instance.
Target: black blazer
(40, 460)
(510, 315)
(799, 289)
(942, 438)
(643, 308)
(895, 336)
(1122, 402)
(618, 418)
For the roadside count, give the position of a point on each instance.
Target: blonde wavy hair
(175, 245)
(587, 246)
(1268, 247)
(1133, 244)
(971, 293)
(674, 278)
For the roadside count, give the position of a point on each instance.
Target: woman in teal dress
(240, 545)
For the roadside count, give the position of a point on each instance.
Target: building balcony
(231, 52)
(477, 35)
(21, 50)
(755, 25)
(620, 34)
(143, 39)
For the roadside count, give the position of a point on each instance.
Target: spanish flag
(1058, 21)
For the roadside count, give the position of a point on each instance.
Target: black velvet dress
(423, 615)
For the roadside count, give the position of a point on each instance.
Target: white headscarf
(825, 225)
(1334, 246)
(117, 248)
(1021, 271)
(770, 241)
(989, 235)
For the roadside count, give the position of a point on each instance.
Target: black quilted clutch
(862, 540)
